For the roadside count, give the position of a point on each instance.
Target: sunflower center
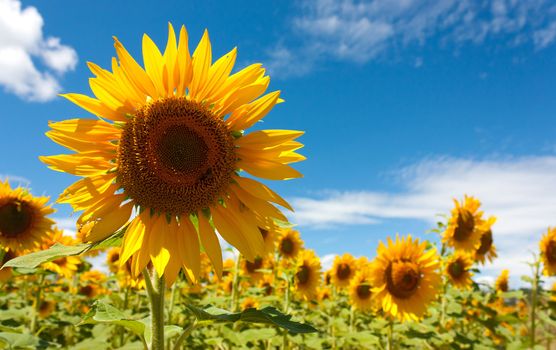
(363, 291)
(456, 269)
(114, 258)
(486, 243)
(402, 279)
(255, 265)
(551, 252)
(343, 271)
(303, 274)
(15, 218)
(286, 246)
(465, 225)
(61, 261)
(87, 291)
(175, 156)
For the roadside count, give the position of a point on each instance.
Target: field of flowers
(167, 169)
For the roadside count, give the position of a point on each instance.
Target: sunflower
(65, 266)
(324, 293)
(24, 225)
(249, 303)
(548, 252)
(289, 244)
(91, 283)
(405, 277)
(267, 284)
(169, 141)
(46, 308)
(360, 290)
(307, 274)
(501, 284)
(343, 269)
(113, 259)
(253, 268)
(466, 225)
(486, 250)
(458, 268)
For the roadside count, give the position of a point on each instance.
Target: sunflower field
(167, 171)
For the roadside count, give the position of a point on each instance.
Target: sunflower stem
(37, 304)
(534, 291)
(285, 341)
(155, 289)
(390, 344)
(235, 285)
(185, 334)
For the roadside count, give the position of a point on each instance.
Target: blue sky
(405, 104)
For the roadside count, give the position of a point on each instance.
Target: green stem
(390, 344)
(351, 319)
(285, 341)
(37, 305)
(185, 334)
(235, 285)
(155, 290)
(534, 292)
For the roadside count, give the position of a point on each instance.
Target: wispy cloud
(30, 63)
(520, 192)
(360, 31)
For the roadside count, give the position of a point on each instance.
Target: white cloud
(520, 192)
(359, 31)
(30, 64)
(327, 261)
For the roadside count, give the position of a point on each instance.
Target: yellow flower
(405, 277)
(66, 266)
(46, 308)
(252, 269)
(113, 259)
(24, 225)
(267, 284)
(307, 274)
(324, 293)
(458, 268)
(249, 303)
(343, 270)
(466, 226)
(501, 284)
(289, 244)
(486, 250)
(548, 252)
(170, 142)
(360, 290)
(91, 283)
(269, 237)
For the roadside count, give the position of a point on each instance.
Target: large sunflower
(24, 225)
(343, 269)
(548, 252)
(169, 141)
(360, 290)
(466, 225)
(458, 270)
(486, 250)
(405, 277)
(307, 274)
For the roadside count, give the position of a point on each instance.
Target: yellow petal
(230, 230)
(133, 239)
(243, 96)
(190, 243)
(184, 62)
(154, 64)
(171, 61)
(158, 252)
(202, 58)
(108, 224)
(133, 71)
(268, 169)
(95, 107)
(210, 244)
(254, 112)
(267, 138)
(258, 205)
(217, 75)
(77, 164)
(90, 129)
(259, 190)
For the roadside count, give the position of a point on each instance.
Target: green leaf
(104, 313)
(58, 250)
(23, 341)
(267, 315)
